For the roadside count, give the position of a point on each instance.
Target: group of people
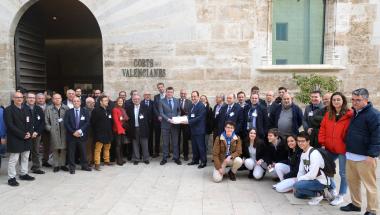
(261, 136)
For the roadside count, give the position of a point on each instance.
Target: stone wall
(211, 45)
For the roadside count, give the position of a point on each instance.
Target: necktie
(170, 104)
(147, 103)
(77, 119)
(229, 108)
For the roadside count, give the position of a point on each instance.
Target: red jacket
(119, 117)
(332, 134)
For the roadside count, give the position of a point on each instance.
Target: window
(282, 31)
(281, 61)
(298, 29)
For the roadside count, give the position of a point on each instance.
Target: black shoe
(135, 162)
(86, 169)
(146, 162)
(163, 162)
(56, 169)
(155, 155)
(276, 179)
(38, 171)
(232, 175)
(193, 163)
(369, 213)
(13, 182)
(46, 164)
(350, 207)
(26, 177)
(64, 168)
(202, 165)
(250, 174)
(178, 162)
(186, 158)
(72, 171)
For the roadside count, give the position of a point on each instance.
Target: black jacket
(70, 126)
(143, 118)
(363, 134)
(101, 122)
(294, 162)
(235, 115)
(38, 118)
(262, 120)
(209, 119)
(18, 122)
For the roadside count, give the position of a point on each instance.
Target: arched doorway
(58, 44)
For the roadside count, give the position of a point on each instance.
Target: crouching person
(226, 152)
(311, 179)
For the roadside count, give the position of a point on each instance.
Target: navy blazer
(197, 119)
(69, 122)
(296, 121)
(262, 121)
(38, 118)
(235, 115)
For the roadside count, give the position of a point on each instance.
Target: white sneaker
(329, 195)
(316, 200)
(337, 201)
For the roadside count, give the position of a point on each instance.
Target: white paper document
(180, 120)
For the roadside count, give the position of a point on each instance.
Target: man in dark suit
(197, 124)
(101, 122)
(138, 129)
(77, 121)
(18, 120)
(169, 108)
(78, 93)
(231, 112)
(256, 90)
(38, 120)
(219, 100)
(129, 101)
(255, 116)
(148, 103)
(185, 106)
(157, 118)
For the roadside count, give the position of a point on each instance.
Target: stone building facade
(212, 45)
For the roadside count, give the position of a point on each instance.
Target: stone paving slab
(148, 189)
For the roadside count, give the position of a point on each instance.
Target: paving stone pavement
(148, 189)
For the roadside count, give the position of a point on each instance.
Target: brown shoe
(97, 167)
(232, 176)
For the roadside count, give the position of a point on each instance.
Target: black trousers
(71, 149)
(119, 143)
(150, 139)
(157, 137)
(185, 131)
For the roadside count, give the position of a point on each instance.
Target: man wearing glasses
(19, 123)
(363, 147)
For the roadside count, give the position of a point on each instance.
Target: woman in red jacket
(119, 117)
(332, 135)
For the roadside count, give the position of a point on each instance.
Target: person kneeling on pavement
(226, 152)
(312, 181)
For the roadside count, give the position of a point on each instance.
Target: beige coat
(55, 126)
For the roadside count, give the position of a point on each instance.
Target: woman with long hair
(332, 136)
(253, 146)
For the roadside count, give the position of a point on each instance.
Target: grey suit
(169, 131)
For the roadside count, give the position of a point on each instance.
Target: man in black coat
(38, 120)
(77, 121)
(231, 112)
(185, 107)
(18, 120)
(101, 122)
(255, 116)
(138, 129)
(148, 103)
(157, 118)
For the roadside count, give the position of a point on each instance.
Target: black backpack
(329, 168)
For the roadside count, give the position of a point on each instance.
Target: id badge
(82, 118)
(254, 114)
(121, 118)
(232, 114)
(141, 117)
(38, 117)
(311, 113)
(109, 116)
(60, 120)
(192, 115)
(27, 119)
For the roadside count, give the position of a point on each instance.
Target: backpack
(329, 168)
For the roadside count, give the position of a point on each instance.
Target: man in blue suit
(169, 108)
(231, 112)
(197, 124)
(76, 123)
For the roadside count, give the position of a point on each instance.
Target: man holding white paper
(169, 108)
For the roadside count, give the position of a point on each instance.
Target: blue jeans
(308, 188)
(342, 172)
